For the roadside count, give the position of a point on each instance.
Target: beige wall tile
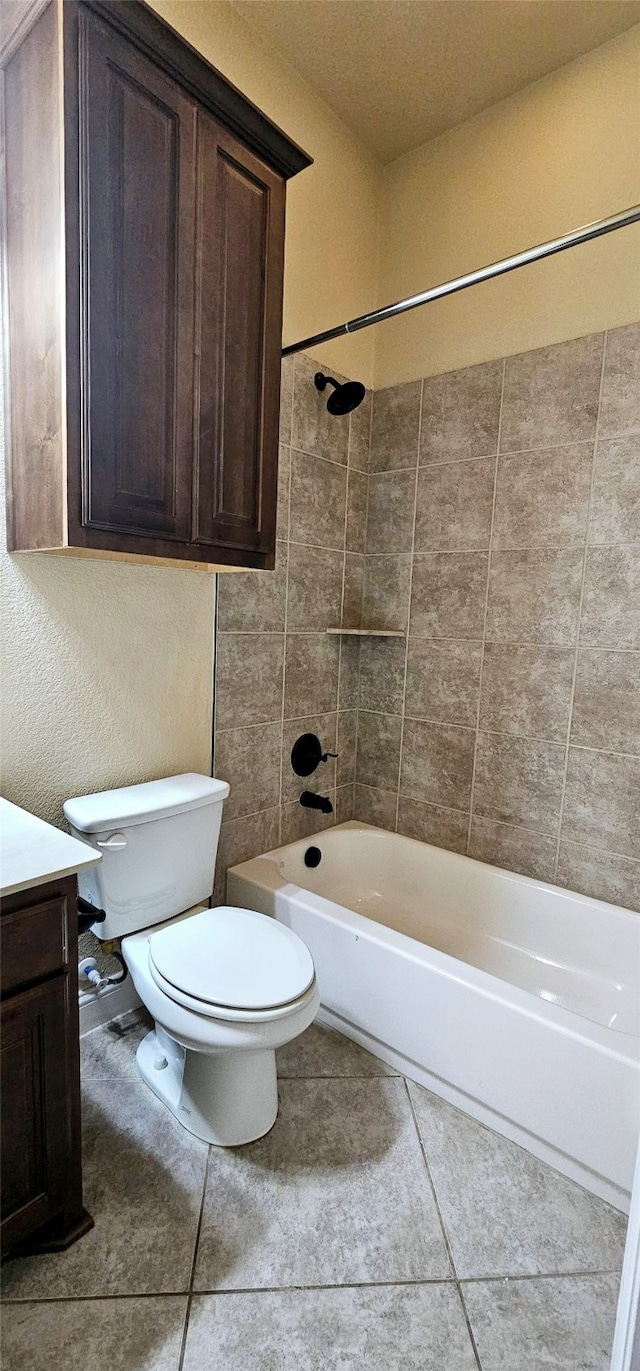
(286, 398)
(437, 763)
(443, 680)
(599, 874)
(284, 485)
(382, 662)
(349, 678)
(345, 803)
(315, 588)
(606, 705)
(353, 590)
(602, 801)
(377, 807)
(527, 690)
(323, 779)
(615, 502)
(359, 428)
(454, 506)
(515, 849)
(394, 427)
(611, 602)
(542, 498)
(448, 594)
(311, 674)
(298, 822)
(378, 759)
(433, 824)
(242, 839)
(390, 512)
(249, 759)
(620, 404)
(254, 601)
(519, 781)
(318, 501)
(551, 395)
(534, 596)
(386, 591)
(314, 429)
(248, 679)
(346, 746)
(357, 489)
(460, 413)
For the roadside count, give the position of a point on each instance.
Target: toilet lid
(234, 958)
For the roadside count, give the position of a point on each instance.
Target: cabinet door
(34, 1111)
(137, 165)
(239, 252)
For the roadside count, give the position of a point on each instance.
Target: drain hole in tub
(312, 856)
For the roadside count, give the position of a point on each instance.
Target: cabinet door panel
(240, 228)
(34, 1118)
(137, 164)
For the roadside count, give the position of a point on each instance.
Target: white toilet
(225, 986)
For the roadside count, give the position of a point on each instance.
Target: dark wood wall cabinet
(40, 1070)
(145, 243)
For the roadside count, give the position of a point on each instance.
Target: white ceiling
(399, 72)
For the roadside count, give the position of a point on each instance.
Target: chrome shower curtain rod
(473, 278)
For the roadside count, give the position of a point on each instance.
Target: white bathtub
(515, 1000)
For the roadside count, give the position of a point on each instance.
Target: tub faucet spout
(311, 801)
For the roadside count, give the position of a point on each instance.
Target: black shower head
(344, 397)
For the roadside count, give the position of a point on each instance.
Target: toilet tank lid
(139, 804)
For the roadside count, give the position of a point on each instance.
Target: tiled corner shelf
(367, 632)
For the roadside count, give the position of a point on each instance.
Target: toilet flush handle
(115, 841)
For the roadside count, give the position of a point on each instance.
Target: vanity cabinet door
(137, 166)
(34, 1114)
(239, 238)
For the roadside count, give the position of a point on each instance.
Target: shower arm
(473, 278)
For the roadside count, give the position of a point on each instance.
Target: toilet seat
(233, 964)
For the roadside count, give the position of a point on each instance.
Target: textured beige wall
(332, 208)
(106, 675)
(561, 153)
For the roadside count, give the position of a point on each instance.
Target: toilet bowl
(226, 987)
(212, 1064)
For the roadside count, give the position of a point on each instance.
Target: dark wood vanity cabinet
(145, 234)
(40, 1070)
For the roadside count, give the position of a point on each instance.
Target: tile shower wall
(278, 673)
(504, 535)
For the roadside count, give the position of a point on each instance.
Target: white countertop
(33, 852)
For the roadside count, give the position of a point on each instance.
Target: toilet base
(227, 1098)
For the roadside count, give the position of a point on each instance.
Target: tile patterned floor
(374, 1229)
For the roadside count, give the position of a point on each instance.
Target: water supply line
(473, 278)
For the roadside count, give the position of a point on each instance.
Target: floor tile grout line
(183, 1346)
(410, 1283)
(583, 579)
(485, 616)
(441, 1221)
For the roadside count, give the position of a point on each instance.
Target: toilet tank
(158, 842)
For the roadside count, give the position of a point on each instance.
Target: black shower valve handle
(326, 755)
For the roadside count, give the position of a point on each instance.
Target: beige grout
(409, 595)
(579, 617)
(486, 611)
(364, 583)
(286, 608)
